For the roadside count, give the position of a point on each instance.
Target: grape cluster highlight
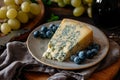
(80, 6)
(14, 13)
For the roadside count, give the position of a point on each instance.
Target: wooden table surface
(106, 74)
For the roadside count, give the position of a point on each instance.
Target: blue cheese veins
(70, 37)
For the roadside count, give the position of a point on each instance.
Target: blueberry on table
(36, 34)
(42, 34)
(82, 55)
(77, 60)
(49, 34)
(43, 29)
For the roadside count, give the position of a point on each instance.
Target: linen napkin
(16, 59)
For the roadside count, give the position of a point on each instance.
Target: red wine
(106, 13)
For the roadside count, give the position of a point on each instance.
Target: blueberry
(49, 34)
(43, 29)
(97, 46)
(54, 28)
(89, 54)
(89, 47)
(36, 34)
(77, 60)
(57, 25)
(42, 34)
(82, 55)
(51, 25)
(94, 51)
(72, 57)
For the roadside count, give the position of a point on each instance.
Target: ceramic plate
(37, 47)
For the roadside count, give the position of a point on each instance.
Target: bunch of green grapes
(17, 12)
(80, 6)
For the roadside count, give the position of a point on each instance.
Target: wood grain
(106, 74)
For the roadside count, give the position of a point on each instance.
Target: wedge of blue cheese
(70, 37)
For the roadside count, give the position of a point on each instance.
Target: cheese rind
(70, 37)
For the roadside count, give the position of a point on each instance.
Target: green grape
(67, 1)
(12, 6)
(9, 2)
(61, 4)
(76, 3)
(89, 4)
(3, 11)
(54, 1)
(11, 13)
(4, 8)
(25, 6)
(18, 2)
(0, 27)
(35, 9)
(30, 15)
(22, 17)
(28, 1)
(78, 11)
(14, 24)
(89, 12)
(88, 1)
(59, 1)
(5, 28)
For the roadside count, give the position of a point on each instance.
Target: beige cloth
(16, 59)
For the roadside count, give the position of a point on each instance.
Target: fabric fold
(16, 59)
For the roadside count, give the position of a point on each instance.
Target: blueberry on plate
(43, 29)
(51, 26)
(97, 46)
(42, 34)
(94, 51)
(49, 34)
(54, 28)
(82, 55)
(57, 25)
(36, 34)
(77, 60)
(90, 47)
(89, 54)
(72, 57)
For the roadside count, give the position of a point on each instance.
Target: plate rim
(55, 66)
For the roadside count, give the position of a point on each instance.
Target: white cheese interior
(70, 37)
